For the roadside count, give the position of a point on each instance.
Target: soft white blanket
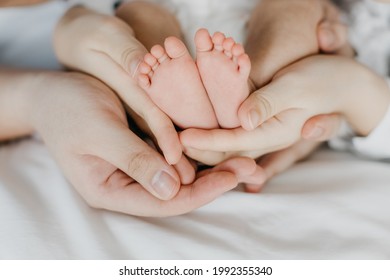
(333, 206)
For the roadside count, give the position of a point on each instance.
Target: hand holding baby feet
(172, 80)
(224, 68)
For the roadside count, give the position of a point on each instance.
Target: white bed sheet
(333, 206)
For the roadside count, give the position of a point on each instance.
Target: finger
(120, 147)
(185, 170)
(159, 123)
(257, 178)
(240, 166)
(322, 127)
(123, 47)
(210, 158)
(333, 38)
(268, 137)
(277, 162)
(263, 104)
(246, 170)
(119, 55)
(135, 200)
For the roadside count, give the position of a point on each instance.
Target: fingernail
(254, 119)
(164, 184)
(316, 133)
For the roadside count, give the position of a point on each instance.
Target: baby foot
(172, 80)
(224, 68)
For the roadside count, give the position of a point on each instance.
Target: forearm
(16, 94)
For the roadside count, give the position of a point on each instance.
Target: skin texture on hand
(81, 43)
(86, 120)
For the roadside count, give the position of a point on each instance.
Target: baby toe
(218, 39)
(159, 53)
(227, 46)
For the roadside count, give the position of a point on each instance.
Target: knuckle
(130, 55)
(139, 163)
(265, 104)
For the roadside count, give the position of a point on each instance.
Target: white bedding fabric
(333, 206)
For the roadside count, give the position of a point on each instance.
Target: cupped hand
(273, 118)
(105, 47)
(84, 125)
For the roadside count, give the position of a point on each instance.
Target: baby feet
(204, 95)
(224, 68)
(170, 76)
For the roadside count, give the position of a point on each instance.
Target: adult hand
(296, 94)
(104, 46)
(84, 126)
(332, 35)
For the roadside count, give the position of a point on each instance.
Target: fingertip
(188, 137)
(249, 118)
(252, 188)
(326, 40)
(173, 156)
(165, 184)
(186, 171)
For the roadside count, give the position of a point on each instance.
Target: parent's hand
(316, 27)
(104, 46)
(332, 36)
(85, 127)
(296, 94)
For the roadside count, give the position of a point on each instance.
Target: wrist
(17, 98)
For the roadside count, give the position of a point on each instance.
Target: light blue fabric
(26, 35)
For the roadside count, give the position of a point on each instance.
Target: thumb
(263, 104)
(123, 149)
(121, 56)
(124, 48)
(333, 38)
